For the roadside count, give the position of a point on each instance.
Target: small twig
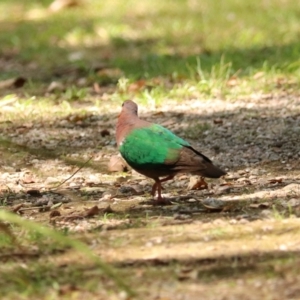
(33, 208)
(61, 183)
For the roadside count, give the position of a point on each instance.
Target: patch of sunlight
(204, 240)
(19, 11)
(251, 36)
(79, 37)
(6, 9)
(290, 190)
(37, 14)
(8, 100)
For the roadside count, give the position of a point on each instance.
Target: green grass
(191, 48)
(42, 241)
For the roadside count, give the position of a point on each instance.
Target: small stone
(123, 295)
(293, 202)
(283, 247)
(191, 200)
(93, 180)
(149, 244)
(254, 172)
(82, 81)
(292, 188)
(242, 179)
(266, 213)
(55, 86)
(219, 222)
(51, 180)
(232, 176)
(181, 216)
(243, 221)
(144, 182)
(106, 196)
(242, 172)
(174, 207)
(223, 189)
(117, 164)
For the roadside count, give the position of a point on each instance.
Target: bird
(156, 152)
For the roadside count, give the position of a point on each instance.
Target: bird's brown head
(127, 120)
(130, 107)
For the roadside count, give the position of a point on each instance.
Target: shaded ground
(241, 232)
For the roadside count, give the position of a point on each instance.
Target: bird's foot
(160, 201)
(157, 187)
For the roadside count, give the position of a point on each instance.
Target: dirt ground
(234, 238)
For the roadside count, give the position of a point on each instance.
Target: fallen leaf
(27, 178)
(226, 184)
(54, 213)
(260, 205)
(214, 204)
(97, 88)
(110, 72)
(107, 210)
(13, 83)
(223, 189)
(275, 180)
(34, 193)
(55, 206)
(233, 81)
(197, 183)
(258, 75)
(55, 86)
(92, 212)
(17, 207)
(187, 274)
(159, 113)
(58, 5)
(76, 118)
(66, 289)
(136, 86)
(104, 132)
(229, 208)
(128, 190)
(218, 121)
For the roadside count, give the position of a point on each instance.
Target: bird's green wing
(151, 146)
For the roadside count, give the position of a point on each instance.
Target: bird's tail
(211, 171)
(206, 167)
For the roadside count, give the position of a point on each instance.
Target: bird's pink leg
(157, 187)
(154, 188)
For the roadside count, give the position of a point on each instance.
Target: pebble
(105, 197)
(191, 200)
(283, 247)
(181, 216)
(233, 221)
(241, 179)
(266, 213)
(149, 244)
(243, 221)
(219, 222)
(173, 208)
(293, 202)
